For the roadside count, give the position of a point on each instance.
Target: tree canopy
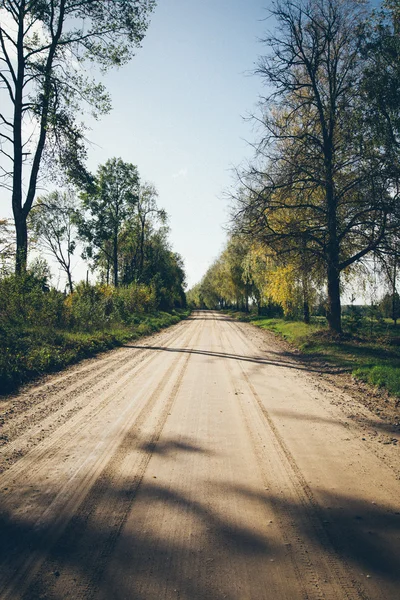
(43, 48)
(325, 180)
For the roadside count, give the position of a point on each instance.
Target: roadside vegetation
(251, 287)
(43, 330)
(134, 281)
(371, 353)
(122, 234)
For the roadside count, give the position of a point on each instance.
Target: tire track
(53, 399)
(338, 569)
(85, 408)
(366, 424)
(93, 494)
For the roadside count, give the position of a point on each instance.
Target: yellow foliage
(282, 287)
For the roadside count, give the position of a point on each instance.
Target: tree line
(122, 233)
(246, 275)
(246, 272)
(322, 193)
(45, 48)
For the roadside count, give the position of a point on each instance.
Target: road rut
(200, 463)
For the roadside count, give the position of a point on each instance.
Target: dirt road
(201, 463)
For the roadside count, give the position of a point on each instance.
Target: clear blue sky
(177, 114)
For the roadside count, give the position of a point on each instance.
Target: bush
(27, 300)
(42, 330)
(96, 306)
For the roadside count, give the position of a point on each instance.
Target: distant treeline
(247, 275)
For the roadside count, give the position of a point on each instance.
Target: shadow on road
(259, 360)
(199, 559)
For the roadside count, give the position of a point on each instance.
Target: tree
(53, 222)
(137, 232)
(43, 45)
(322, 184)
(7, 245)
(163, 270)
(381, 78)
(107, 205)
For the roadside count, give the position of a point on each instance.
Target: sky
(179, 111)
(178, 114)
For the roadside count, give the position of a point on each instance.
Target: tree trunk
(21, 210)
(22, 242)
(334, 309)
(306, 312)
(141, 259)
(115, 259)
(394, 299)
(19, 215)
(306, 287)
(70, 284)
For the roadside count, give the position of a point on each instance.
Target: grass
(27, 353)
(371, 355)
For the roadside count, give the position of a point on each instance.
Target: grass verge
(372, 355)
(27, 353)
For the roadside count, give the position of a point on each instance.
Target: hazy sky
(178, 111)
(177, 114)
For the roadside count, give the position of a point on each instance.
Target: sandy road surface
(203, 464)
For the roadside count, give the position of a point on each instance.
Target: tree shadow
(168, 446)
(259, 360)
(353, 526)
(86, 559)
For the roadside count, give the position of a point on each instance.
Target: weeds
(42, 330)
(369, 349)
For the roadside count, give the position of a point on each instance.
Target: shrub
(27, 300)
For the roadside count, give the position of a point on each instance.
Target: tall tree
(321, 183)
(107, 206)
(138, 231)
(43, 45)
(381, 78)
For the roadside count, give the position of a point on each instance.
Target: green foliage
(247, 273)
(107, 205)
(373, 358)
(295, 332)
(97, 306)
(381, 376)
(125, 234)
(355, 319)
(42, 330)
(7, 247)
(45, 85)
(27, 300)
(30, 352)
(390, 306)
